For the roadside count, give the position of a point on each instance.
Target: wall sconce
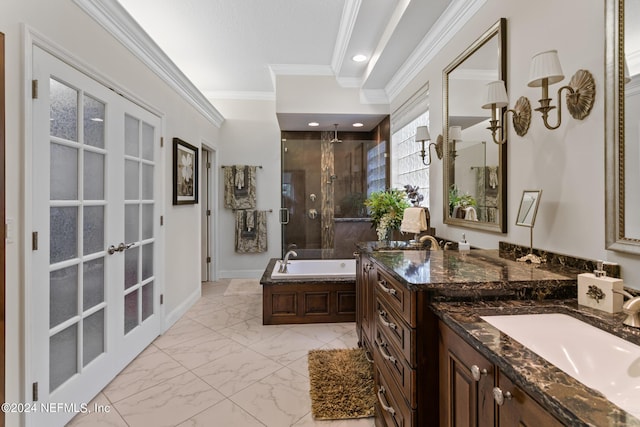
(496, 100)
(545, 70)
(422, 135)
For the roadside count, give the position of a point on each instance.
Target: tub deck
(317, 300)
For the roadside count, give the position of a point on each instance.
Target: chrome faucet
(631, 308)
(285, 261)
(435, 246)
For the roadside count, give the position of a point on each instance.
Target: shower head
(335, 139)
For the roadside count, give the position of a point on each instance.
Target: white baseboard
(171, 318)
(240, 274)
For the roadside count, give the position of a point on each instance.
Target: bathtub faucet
(285, 261)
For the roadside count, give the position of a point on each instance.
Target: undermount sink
(596, 358)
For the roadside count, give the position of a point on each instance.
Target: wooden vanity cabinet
(469, 384)
(520, 409)
(365, 281)
(405, 352)
(466, 383)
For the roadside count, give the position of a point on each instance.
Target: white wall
(249, 136)
(63, 24)
(567, 163)
(320, 94)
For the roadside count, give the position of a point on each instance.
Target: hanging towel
(470, 213)
(240, 187)
(251, 231)
(493, 176)
(414, 220)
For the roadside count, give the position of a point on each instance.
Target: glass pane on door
(76, 232)
(138, 214)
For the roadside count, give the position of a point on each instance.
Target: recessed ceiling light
(360, 58)
(314, 124)
(96, 119)
(357, 125)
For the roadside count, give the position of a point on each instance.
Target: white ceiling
(233, 48)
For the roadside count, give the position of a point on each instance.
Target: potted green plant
(386, 209)
(460, 200)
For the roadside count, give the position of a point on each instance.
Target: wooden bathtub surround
(310, 301)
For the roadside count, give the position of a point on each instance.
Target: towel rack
(264, 210)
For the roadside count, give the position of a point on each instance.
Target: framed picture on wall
(185, 173)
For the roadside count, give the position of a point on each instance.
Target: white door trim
(213, 199)
(31, 39)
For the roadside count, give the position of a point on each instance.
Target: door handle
(284, 221)
(120, 248)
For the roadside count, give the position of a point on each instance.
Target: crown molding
(474, 74)
(113, 18)
(347, 24)
(349, 82)
(241, 95)
(374, 96)
(457, 14)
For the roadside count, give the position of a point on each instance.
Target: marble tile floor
(218, 366)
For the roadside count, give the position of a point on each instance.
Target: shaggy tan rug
(341, 384)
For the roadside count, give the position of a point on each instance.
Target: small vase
(386, 240)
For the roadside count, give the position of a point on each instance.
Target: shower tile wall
(328, 193)
(324, 185)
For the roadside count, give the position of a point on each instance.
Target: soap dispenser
(595, 290)
(463, 245)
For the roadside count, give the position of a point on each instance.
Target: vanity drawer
(397, 296)
(394, 326)
(390, 404)
(390, 360)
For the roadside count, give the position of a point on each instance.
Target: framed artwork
(185, 173)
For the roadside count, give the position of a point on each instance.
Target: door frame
(210, 175)
(31, 39)
(2, 228)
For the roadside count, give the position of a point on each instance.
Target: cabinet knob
(499, 396)
(478, 373)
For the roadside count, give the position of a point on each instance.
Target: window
(407, 167)
(377, 168)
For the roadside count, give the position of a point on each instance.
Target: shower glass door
(324, 186)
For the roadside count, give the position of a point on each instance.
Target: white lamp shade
(545, 65)
(455, 133)
(422, 133)
(496, 95)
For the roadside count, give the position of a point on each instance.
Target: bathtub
(312, 291)
(317, 268)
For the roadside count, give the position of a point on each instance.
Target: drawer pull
(478, 373)
(385, 289)
(386, 407)
(367, 356)
(382, 315)
(385, 353)
(499, 396)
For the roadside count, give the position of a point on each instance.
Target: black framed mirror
(475, 168)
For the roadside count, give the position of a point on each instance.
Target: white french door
(95, 293)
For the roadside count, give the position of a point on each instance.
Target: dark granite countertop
(569, 400)
(476, 274)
